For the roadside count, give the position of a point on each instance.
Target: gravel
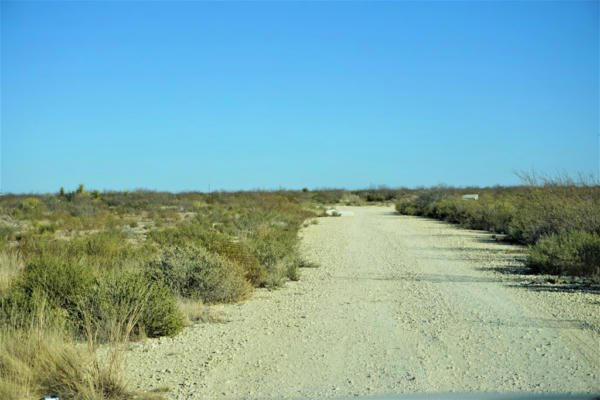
(399, 304)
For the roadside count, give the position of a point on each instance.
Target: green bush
(128, 302)
(554, 210)
(407, 207)
(571, 253)
(376, 196)
(51, 287)
(64, 284)
(271, 245)
(238, 253)
(102, 250)
(196, 273)
(71, 296)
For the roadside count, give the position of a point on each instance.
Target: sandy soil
(399, 304)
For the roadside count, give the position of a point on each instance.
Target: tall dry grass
(42, 359)
(11, 265)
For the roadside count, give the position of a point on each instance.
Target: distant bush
(375, 196)
(102, 250)
(327, 196)
(407, 207)
(196, 273)
(570, 253)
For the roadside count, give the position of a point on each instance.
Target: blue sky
(182, 95)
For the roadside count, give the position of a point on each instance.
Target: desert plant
(195, 273)
(129, 303)
(11, 266)
(34, 363)
(570, 253)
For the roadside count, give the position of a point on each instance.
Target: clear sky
(183, 95)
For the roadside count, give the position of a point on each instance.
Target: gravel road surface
(399, 304)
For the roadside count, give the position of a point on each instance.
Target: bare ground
(399, 304)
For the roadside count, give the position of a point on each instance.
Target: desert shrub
(277, 252)
(271, 245)
(102, 250)
(376, 196)
(236, 252)
(71, 296)
(125, 303)
(570, 253)
(500, 213)
(327, 196)
(196, 273)
(407, 207)
(185, 233)
(31, 205)
(351, 199)
(541, 212)
(426, 199)
(61, 285)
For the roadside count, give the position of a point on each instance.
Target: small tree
(80, 188)
(61, 192)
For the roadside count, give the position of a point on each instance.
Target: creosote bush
(193, 272)
(570, 253)
(72, 297)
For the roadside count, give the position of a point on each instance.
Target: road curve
(399, 304)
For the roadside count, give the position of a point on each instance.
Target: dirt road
(399, 304)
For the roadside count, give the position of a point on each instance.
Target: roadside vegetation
(84, 268)
(558, 219)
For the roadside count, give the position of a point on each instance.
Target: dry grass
(42, 360)
(38, 363)
(195, 311)
(11, 266)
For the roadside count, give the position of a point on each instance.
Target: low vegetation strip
(558, 219)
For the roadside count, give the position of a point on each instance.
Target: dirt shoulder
(399, 304)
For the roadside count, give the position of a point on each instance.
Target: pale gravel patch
(399, 304)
